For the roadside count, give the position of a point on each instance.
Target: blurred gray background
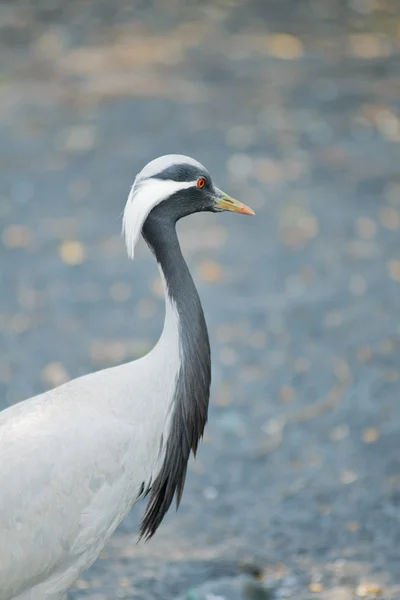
(293, 105)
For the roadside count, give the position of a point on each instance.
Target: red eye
(201, 182)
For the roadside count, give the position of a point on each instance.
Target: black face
(197, 198)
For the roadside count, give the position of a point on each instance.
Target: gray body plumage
(74, 460)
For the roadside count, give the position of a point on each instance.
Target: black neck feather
(190, 405)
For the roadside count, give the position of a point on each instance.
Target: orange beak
(225, 202)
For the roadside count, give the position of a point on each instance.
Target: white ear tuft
(132, 221)
(143, 197)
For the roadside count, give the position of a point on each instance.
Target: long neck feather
(191, 397)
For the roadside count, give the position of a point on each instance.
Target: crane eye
(201, 182)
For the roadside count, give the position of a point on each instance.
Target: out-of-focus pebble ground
(294, 107)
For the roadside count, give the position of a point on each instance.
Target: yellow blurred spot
(333, 318)
(239, 165)
(108, 352)
(191, 34)
(225, 333)
(339, 433)
(54, 374)
(388, 124)
(390, 218)
(157, 287)
(16, 236)
(223, 396)
(302, 365)
(5, 372)
(364, 353)
(210, 271)
(285, 46)
(348, 477)
(392, 375)
(79, 189)
(353, 526)
(50, 43)
(82, 584)
(251, 373)
(334, 156)
(240, 136)
(120, 291)
(316, 587)
(146, 308)
(266, 170)
(368, 589)
(294, 169)
(357, 285)
(258, 340)
(298, 226)
(392, 193)
(228, 356)
(366, 228)
(72, 252)
(19, 323)
(195, 467)
(341, 370)
(368, 45)
(370, 435)
(286, 394)
(386, 121)
(78, 139)
(393, 267)
(325, 510)
(386, 347)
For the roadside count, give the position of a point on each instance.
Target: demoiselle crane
(74, 460)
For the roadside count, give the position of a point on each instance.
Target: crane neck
(178, 284)
(192, 385)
